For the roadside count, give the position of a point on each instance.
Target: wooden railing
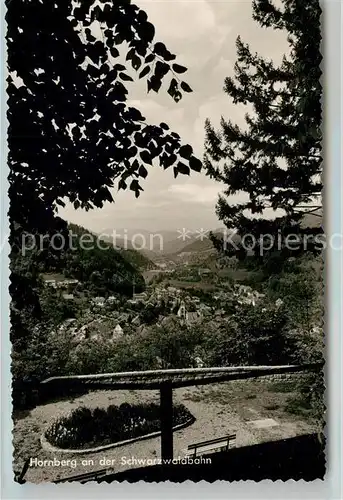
(183, 377)
(167, 380)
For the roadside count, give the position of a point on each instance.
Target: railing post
(166, 398)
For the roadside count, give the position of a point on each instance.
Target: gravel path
(218, 411)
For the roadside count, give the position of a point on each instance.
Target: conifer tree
(275, 160)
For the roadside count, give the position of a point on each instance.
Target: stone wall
(278, 377)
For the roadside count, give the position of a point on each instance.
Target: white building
(66, 283)
(204, 271)
(68, 296)
(51, 283)
(99, 301)
(117, 332)
(199, 362)
(139, 297)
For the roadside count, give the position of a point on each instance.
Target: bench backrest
(86, 475)
(222, 440)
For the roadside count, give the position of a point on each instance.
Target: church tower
(182, 311)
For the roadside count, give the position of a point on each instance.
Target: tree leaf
(154, 83)
(161, 69)
(131, 152)
(161, 50)
(119, 67)
(149, 58)
(168, 56)
(142, 16)
(186, 87)
(130, 54)
(195, 164)
(170, 160)
(125, 77)
(182, 168)
(186, 151)
(136, 62)
(179, 69)
(146, 157)
(177, 96)
(143, 171)
(134, 185)
(144, 72)
(135, 114)
(122, 184)
(147, 30)
(172, 87)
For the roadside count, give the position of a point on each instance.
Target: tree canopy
(71, 131)
(274, 161)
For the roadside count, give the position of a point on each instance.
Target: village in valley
(207, 301)
(166, 257)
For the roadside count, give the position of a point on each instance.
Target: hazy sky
(202, 34)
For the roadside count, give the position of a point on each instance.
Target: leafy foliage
(255, 336)
(38, 350)
(45, 353)
(299, 292)
(86, 428)
(94, 263)
(71, 131)
(268, 333)
(72, 135)
(105, 268)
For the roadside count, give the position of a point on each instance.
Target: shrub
(85, 428)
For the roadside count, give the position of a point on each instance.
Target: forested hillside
(99, 263)
(137, 258)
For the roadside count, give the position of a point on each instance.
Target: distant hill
(109, 268)
(314, 219)
(199, 249)
(201, 244)
(139, 259)
(188, 242)
(176, 245)
(198, 246)
(152, 243)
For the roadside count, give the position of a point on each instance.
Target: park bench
(99, 474)
(86, 476)
(219, 444)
